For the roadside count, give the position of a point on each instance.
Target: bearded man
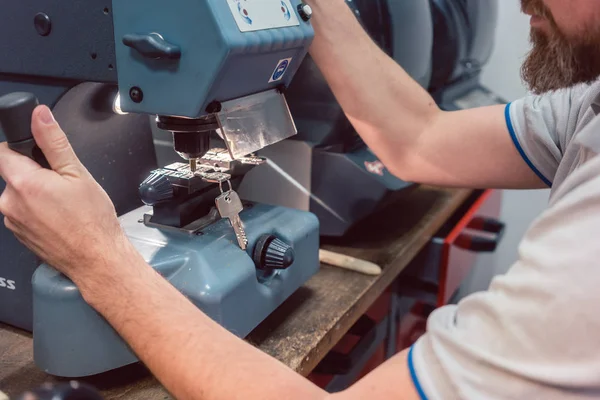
(535, 334)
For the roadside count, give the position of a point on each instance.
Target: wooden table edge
(390, 273)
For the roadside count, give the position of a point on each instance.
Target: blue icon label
(244, 14)
(286, 11)
(280, 70)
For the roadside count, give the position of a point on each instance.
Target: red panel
(377, 312)
(456, 263)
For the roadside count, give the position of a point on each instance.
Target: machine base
(73, 340)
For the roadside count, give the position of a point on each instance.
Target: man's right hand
(68, 220)
(61, 214)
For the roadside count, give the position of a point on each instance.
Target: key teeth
(242, 242)
(242, 237)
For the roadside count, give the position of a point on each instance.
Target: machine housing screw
(214, 107)
(43, 24)
(136, 94)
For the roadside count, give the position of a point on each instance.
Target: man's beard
(557, 61)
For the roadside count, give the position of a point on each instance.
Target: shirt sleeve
(535, 334)
(541, 127)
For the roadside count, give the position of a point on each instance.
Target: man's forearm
(387, 107)
(192, 356)
(400, 121)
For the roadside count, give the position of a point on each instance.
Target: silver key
(230, 206)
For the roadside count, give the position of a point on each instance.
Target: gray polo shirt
(535, 334)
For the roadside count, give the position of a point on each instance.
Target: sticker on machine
(375, 167)
(258, 15)
(280, 70)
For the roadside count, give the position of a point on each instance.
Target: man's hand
(68, 220)
(400, 121)
(62, 214)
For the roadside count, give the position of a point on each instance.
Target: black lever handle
(490, 225)
(15, 123)
(477, 244)
(481, 244)
(152, 46)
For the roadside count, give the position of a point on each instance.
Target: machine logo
(244, 13)
(7, 284)
(280, 70)
(286, 11)
(375, 167)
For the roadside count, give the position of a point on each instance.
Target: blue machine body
(72, 340)
(218, 62)
(170, 59)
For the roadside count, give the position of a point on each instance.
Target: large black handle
(489, 225)
(152, 46)
(477, 244)
(480, 244)
(15, 123)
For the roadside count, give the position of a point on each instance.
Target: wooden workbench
(307, 326)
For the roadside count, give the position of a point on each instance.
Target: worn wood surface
(303, 330)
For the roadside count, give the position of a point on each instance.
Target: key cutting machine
(326, 168)
(199, 67)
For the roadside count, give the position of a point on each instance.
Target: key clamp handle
(16, 110)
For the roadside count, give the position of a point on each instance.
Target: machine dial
(156, 189)
(271, 253)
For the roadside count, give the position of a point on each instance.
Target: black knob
(305, 12)
(43, 24)
(15, 116)
(156, 189)
(271, 253)
(153, 46)
(15, 123)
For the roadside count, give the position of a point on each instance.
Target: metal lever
(15, 123)
(152, 46)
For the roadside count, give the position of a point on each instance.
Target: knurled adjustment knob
(156, 189)
(271, 253)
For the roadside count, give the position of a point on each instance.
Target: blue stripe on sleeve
(413, 375)
(513, 135)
